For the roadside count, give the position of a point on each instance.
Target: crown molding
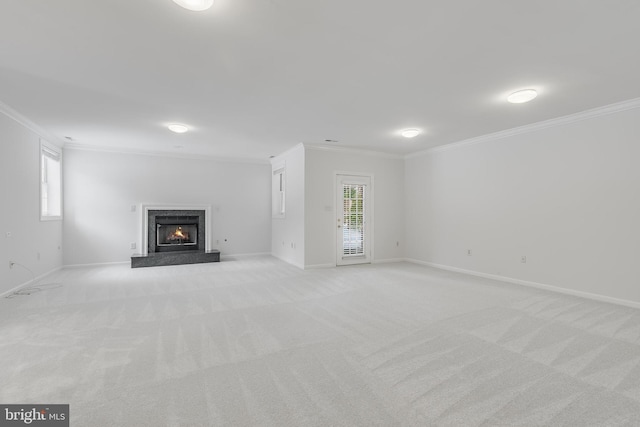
(360, 151)
(534, 127)
(187, 156)
(275, 159)
(24, 121)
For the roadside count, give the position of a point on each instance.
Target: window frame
(51, 151)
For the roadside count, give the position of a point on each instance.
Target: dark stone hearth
(156, 259)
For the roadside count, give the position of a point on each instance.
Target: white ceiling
(255, 77)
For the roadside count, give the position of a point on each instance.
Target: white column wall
(288, 233)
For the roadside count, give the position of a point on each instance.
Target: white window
(50, 182)
(278, 193)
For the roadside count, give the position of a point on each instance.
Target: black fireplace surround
(176, 230)
(175, 236)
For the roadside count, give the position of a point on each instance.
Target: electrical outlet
(133, 245)
(523, 259)
(8, 234)
(469, 252)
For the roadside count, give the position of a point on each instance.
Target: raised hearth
(156, 259)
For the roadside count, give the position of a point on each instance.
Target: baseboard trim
(30, 282)
(318, 266)
(375, 261)
(572, 292)
(388, 260)
(300, 266)
(256, 254)
(96, 264)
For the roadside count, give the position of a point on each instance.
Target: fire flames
(178, 235)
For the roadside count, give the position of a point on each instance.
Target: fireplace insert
(175, 230)
(179, 234)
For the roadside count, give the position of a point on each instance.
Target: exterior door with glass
(353, 219)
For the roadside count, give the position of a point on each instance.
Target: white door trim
(369, 249)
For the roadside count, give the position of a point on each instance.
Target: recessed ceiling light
(178, 128)
(195, 5)
(522, 96)
(410, 133)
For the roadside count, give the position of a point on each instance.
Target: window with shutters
(353, 219)
(50, 182)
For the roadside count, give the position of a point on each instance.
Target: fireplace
(174, 235)
(176, 230)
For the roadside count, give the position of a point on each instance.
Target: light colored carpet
(257, 342)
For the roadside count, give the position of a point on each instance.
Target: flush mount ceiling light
(410, 133)
(522, 96)
(178, 128)
(195, 5)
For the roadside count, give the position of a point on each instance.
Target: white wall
(567, 198)
(20, 212)
(288, 234)
(101, 187)
(320, 210)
